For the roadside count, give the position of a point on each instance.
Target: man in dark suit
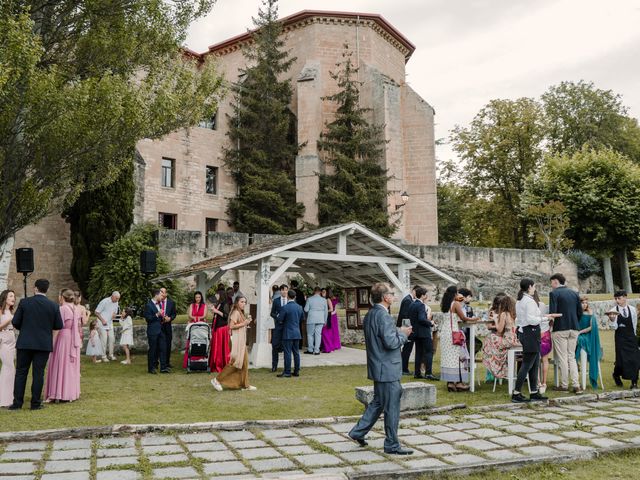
(276, 335)
(384, 367)
(169, 309)
(290, 317)
(421, 335)
(564, 335)
(154, 315)
(406, 303)
(36, 318)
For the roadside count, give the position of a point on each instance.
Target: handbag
(457, 337)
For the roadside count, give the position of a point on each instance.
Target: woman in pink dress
(331, 330)
(63, 373)
(7, 347)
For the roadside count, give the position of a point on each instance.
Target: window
(168, 220)
(211, 225)
(210, 123)
(212, 180)
(168, 169)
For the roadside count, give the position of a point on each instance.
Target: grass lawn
(610, 466)
(113, 393)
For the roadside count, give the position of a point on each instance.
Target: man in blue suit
(276, 335)
(154, 315)
(384, 367)
(421, 326)
(291, 316)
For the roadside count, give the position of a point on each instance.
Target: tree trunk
(6, 253)
(608, 274)
(624, 270)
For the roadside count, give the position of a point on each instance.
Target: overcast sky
(471, 51)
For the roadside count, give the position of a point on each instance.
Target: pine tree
(96, 219)
(354, 188)
(263, 145)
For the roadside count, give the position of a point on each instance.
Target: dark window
(168, 169)
(210, 123)
(168, 220)
(211, 225)
(212, 180)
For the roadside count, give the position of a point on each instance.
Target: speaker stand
(24, 281)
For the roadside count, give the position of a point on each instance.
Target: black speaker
(24, 260)
(148, 261)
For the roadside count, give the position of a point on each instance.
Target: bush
(587, 265)
(120, 270)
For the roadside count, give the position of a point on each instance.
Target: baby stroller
(198, 347)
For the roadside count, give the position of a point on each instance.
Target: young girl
(126, 338)
(94, 345)
(546, 345)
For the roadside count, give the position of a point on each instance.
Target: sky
(469, 52)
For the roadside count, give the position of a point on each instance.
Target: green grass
(113, 393)
(610, 466)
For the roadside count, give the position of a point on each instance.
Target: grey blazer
(383, 340)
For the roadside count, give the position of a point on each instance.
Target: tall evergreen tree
(262, 150)
(354, 186)
(98, 218)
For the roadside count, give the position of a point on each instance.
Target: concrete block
(415, 395)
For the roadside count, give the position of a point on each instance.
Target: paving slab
(251, 453)
(337, 446)
(484, 432)
(439, 449)
(493, 422)
(629, 427)
(175, 472)
(578, 434)
(242, 444)
(67, 466)
(453, 436)
(572, 447)
(24, 446)
(70, 454)
(545, 437)
(346, 427)
(464, 459)
(546, 426)
(538, 451)
(176, 457)
(606, 442)
(502, 454)
(285, 432)
(118, 475)
(117, 442)
(463, 425)
(17, 468)
(441, 418)
(285, 474)
(72, 444)
(511, 441)
(318, 460)
(424, 463)
(362, 456)
(433, 429)
(66, 476)
(236, 435)
(605, 420)
(309, 431)
(269, 464)
(34, 455)
(306, 449)
(290, 441)
(550, 416)
(334, 437)
(116, 452)
(377, 467)
(219, 456)
(158, 440)
(206, 447)
(156, 449)
(520, 429)
(198, 437)
(113, 461)
(221, 468)
(419, 439)
(479, 444)
(604, 429)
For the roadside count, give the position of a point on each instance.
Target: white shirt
(527, 312)
(106, 308)
(625, 312)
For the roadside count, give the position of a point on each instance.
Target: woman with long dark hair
(498, 342)
(7, 347)
(220, 338)
(528, 319)
(196, 312)
(454, 359)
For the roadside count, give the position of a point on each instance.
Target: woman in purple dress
(331, 330)
(63, 373)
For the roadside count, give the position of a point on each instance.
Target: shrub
(587, 265)
(120, 270)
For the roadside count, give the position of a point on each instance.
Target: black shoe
(274, 369)
(308, 353)
(37, 407)
(170, 366)
(407, 372)
(165, 370)
(419, 376)
(296, 374)
(537, 397)
(284, 375)
(317, 353)
(519, 398)
(14, 407)
(432, 377)
(618, 380)
(400, 451)
(360, 441)
(153, 372)
(634, 386)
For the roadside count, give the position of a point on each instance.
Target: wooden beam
(281, 269)
(332, 257)
(391, 276)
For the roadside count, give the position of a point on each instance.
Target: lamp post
(404, 196)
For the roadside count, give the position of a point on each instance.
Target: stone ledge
(415, 395)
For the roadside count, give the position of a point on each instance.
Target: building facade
(181, 180)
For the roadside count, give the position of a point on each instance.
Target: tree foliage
(263, 144)
(120, 270)
(601, 192)
(98, 218)
(80, 83)
(553, 223)
(354, 186)
(500, 148)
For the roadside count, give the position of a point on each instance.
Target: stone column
(261, 350)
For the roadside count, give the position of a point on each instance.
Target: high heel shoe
(452, 387)
(462, 387)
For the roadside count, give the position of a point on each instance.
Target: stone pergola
(349, 255)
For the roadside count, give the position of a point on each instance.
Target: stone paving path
(463, 437)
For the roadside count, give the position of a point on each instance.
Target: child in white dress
(94, 345)
(126, 339)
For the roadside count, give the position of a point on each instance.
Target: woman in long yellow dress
(235, 375)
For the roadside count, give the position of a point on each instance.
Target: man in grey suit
(317, 312)
(384, 367)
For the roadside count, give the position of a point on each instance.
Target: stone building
(181, 180)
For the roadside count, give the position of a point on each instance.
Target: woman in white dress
(7, 347)
(454, 359)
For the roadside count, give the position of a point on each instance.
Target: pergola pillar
(261, 350)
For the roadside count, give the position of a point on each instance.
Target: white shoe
(105, 360)
(113, 358)
(542, 388)
(124, 362)
(216, 384)
(251, 388)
